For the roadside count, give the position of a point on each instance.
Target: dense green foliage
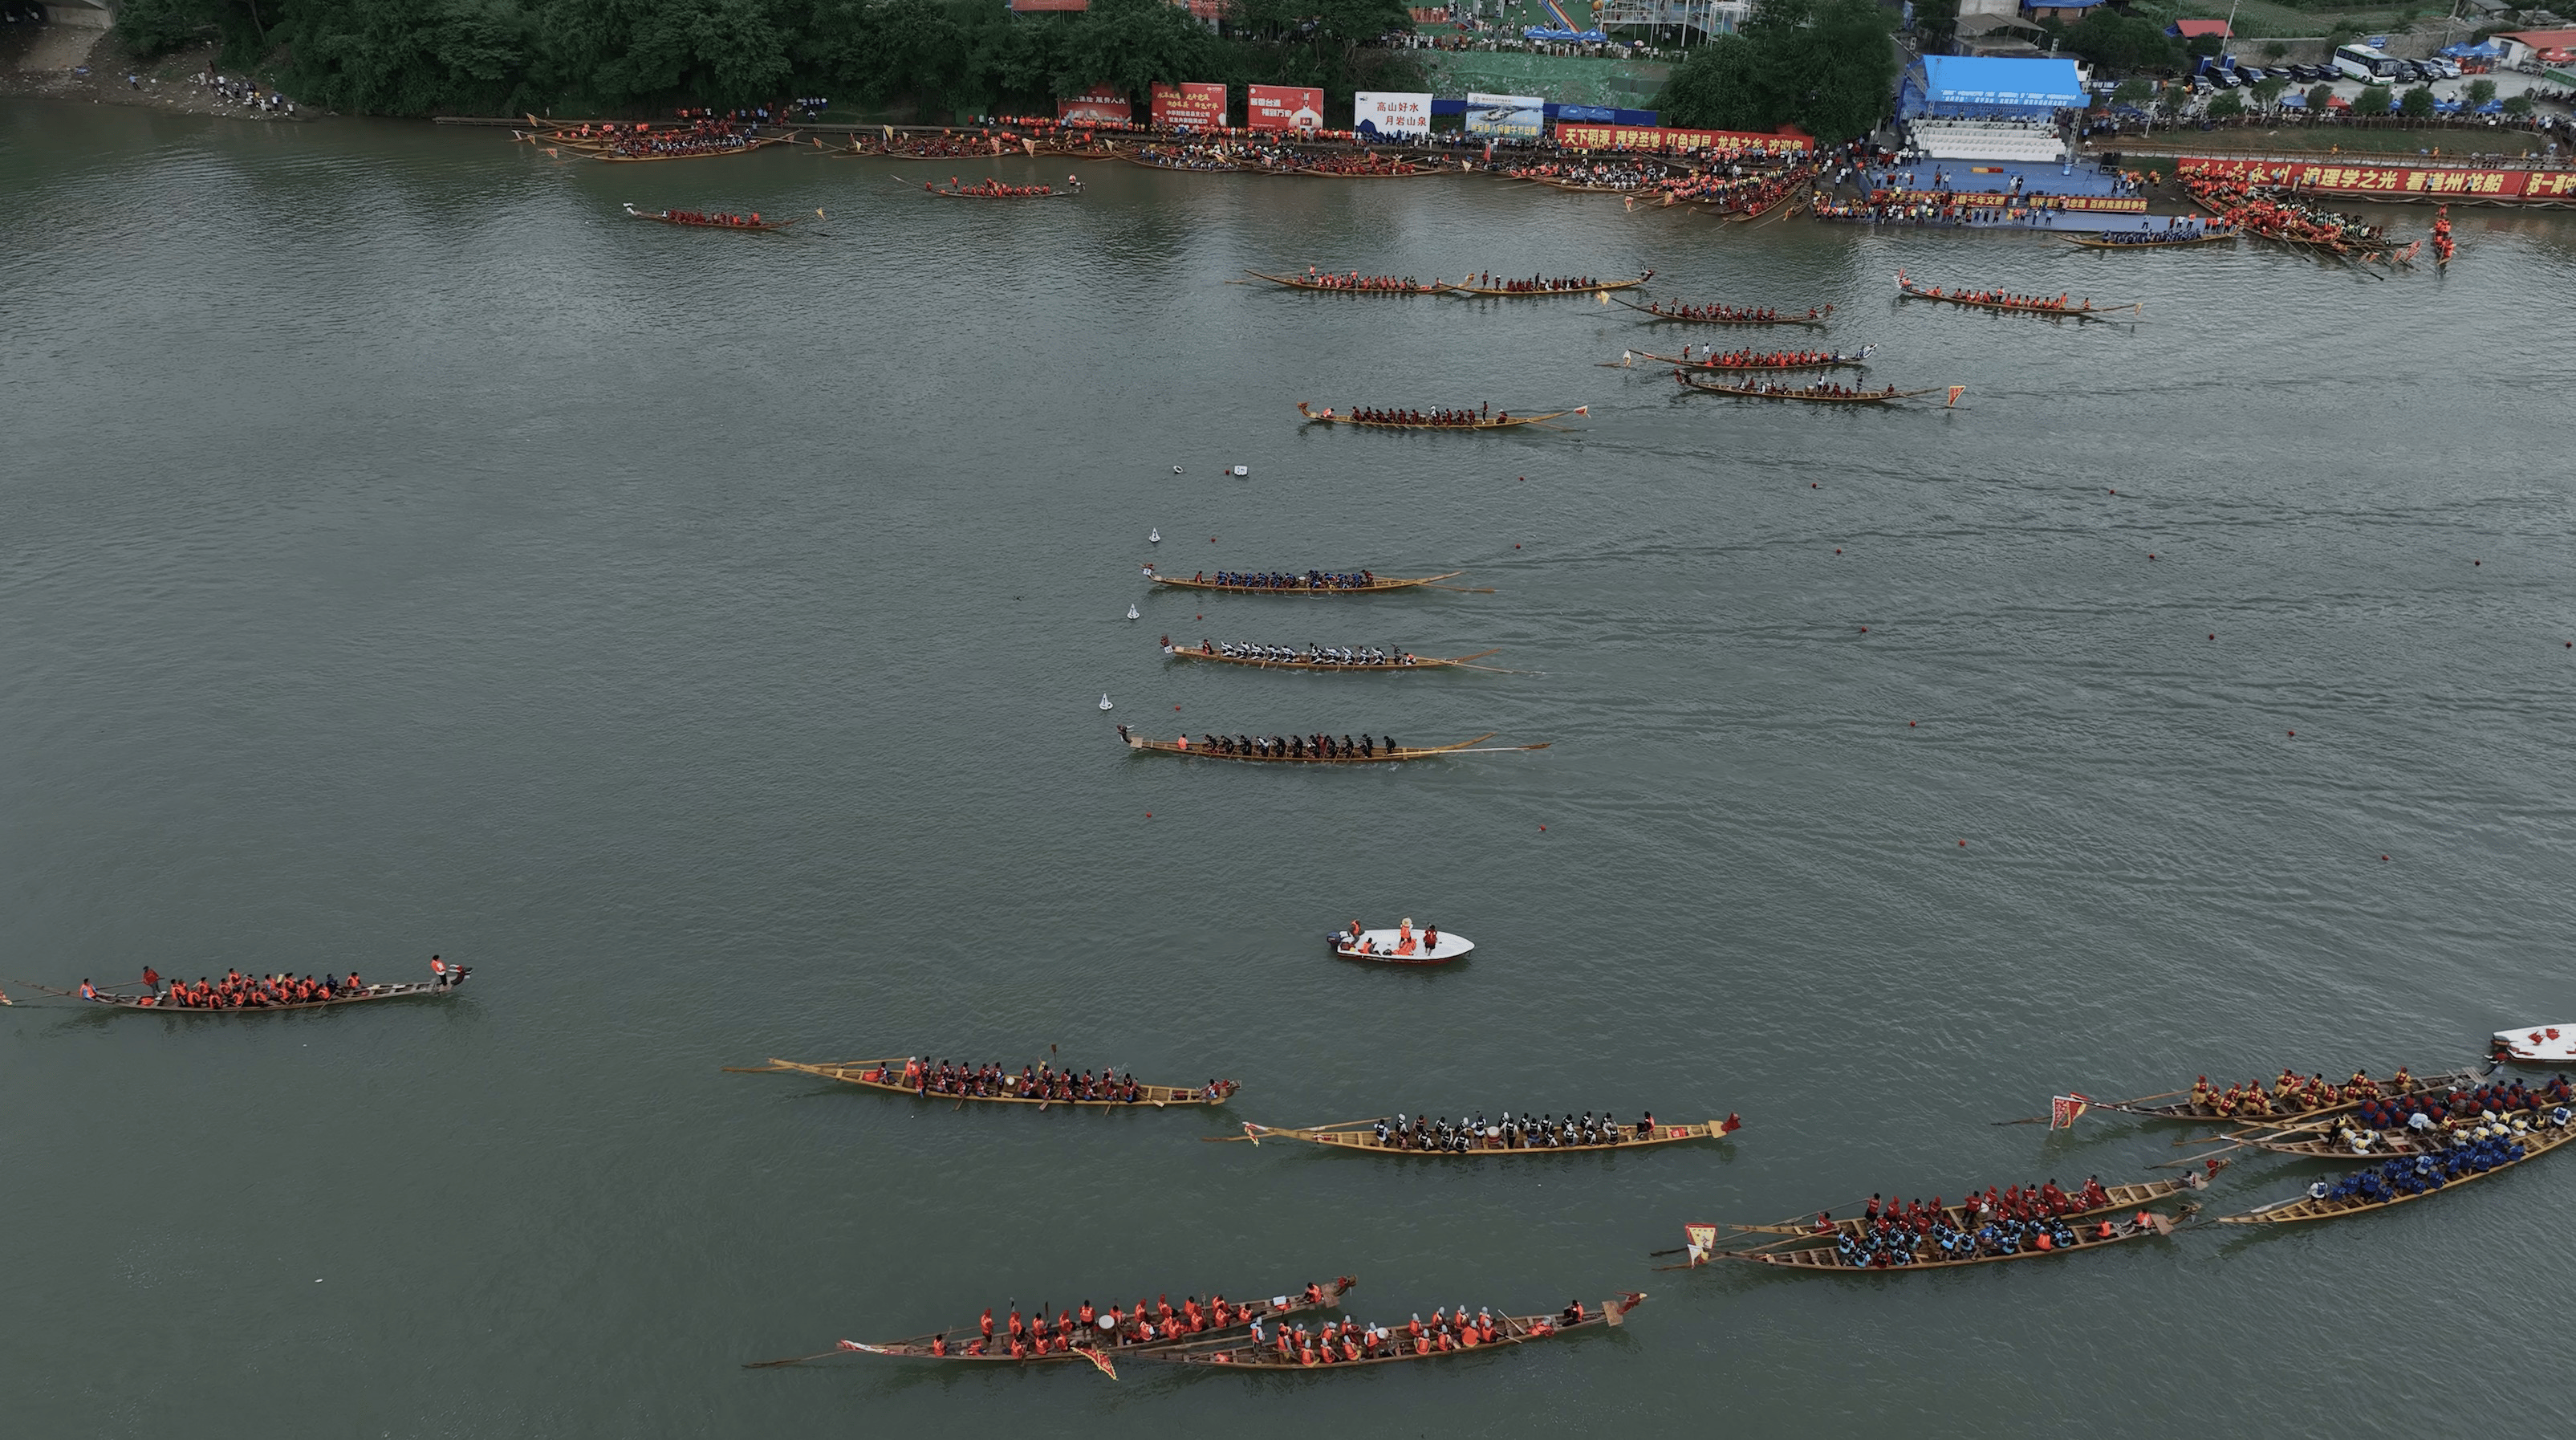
(2318, 95)
(2417, 103)
(2225, 104)
(413, 57)
(2373, 100)
(2122, 42)
(1827, 66)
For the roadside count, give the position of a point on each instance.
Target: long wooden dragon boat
(2178, 1104)
(2322, 1203)
(597, 151)
(1835, 361)
(1372, 585)
(1294, 283)
(1115, 1333)
(1505, 292)
(1388, 1347)
(2090, 311)
(1811, 397)
(969, 192)
(2104, 242)
(2089, 1236)
(1740, 318)
(1504, 421)
(116, 998)
(1257, 662)
(693, 222)
(1373, 755)
(2123, 1197)
(2351, 1137)
(888, 1075)
(1362, 1135)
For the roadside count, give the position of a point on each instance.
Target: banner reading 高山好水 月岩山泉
(1391, 113)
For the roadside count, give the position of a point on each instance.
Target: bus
(2365, 64)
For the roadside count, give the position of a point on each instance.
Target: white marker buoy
(1153, 537)
(1134, 614)
(1242, 469)
(1176, 469)
(1104, 701)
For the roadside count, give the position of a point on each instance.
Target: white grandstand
(2029, 141)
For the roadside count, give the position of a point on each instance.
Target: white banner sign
(1390, 112)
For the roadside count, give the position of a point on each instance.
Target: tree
(2373, 100)
(1130, 44)
(2480, 91)
(2122, 42)
(2136, 90)
(1828, 66)
(2416, 104)
(2269, 89)
(2518, 105)
(2227, 104)
(2274, 49)
(2318, 98)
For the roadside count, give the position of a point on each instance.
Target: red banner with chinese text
(1284, 107)
(1189, 103)
(1659, 137)
(2396, 182)
(1099, 105)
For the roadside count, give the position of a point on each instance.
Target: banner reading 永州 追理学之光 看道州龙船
(2394, 182)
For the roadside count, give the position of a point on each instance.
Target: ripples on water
(700, 633)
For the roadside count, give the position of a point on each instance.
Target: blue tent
(1989, 87)
(1541, 32)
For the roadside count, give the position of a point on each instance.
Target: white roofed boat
(1401, 946)
(2539, 1044)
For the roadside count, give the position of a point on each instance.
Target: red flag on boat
(2064, 1109)
(1702, 1240)
(1955, 392)
(1099, 1360)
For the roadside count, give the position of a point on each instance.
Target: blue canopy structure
(1988, 87)
(1542, 32)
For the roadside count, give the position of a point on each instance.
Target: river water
(702, 636)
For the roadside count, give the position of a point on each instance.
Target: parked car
(2249, 74)
(2309, 74)
(2223, 79)
(2450, 69)
(2407, 74)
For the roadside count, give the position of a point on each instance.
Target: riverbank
(70, 62)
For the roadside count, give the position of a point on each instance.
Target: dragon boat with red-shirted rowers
(2058, 309)
(1114, 1333)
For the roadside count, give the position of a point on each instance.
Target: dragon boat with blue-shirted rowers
(2490, 1149)
(1314, 749)
(1393, 1135)
(1380, 1345)
(1313, 582)
(911, 1075)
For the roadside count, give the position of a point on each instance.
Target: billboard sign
(1200, 107)
(1509, 116)
(1285, 107)
(1390, 113)
(2393, 181)
(1099, 105)
(1652, 137)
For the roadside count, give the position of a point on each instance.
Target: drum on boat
(2538, 1044)
(1391, 947)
